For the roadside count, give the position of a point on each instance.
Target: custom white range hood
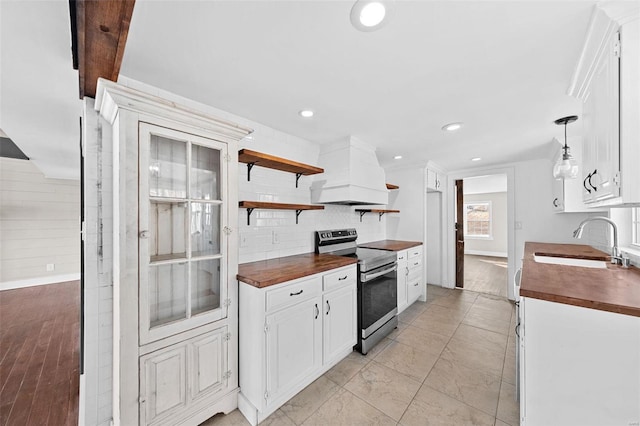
(352, 175)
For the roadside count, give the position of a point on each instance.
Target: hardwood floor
(39, 355)
(486, 274)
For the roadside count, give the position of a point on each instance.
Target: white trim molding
(32, 282)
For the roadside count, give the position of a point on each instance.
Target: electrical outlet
(275, 237)
(50, 267)
(244, 240)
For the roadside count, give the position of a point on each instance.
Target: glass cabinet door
(182, 212)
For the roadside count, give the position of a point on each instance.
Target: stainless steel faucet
(615, 253)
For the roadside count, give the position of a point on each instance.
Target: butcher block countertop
(614, 289)
(391, 245)
(264, 273)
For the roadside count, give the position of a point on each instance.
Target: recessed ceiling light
(452, 127)
(370, 15)
(398, 157)
(306, 113)
(476, 159)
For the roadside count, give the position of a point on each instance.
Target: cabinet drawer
(293, 293)
(340, 278)
(415, 252)
(415, 262)
(403, 255)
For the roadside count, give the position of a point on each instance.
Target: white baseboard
(30, 282)
(486, 253)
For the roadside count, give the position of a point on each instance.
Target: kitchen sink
(569, 261)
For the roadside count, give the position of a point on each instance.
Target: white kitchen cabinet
(606, 81)
(402, 259)
(290, 334)
(410, 276)
(434, 181)
(293, 346)
(180, 376)
(340, 322)
(601, 160)
(578, 366)
(174, 207)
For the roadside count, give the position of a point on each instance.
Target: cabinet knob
(144, 234)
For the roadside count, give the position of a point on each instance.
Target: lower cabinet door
(208, 355)
(340, 322)
(414, 288)
(163, 383)
(293, 340)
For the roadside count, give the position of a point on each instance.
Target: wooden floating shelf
(392, 186)
(251, 205)
(379, 211)
(254, 158)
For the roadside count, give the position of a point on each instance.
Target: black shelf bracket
(361, 214)
(249, 211)
(297, 178)
(298, 211)
(380, 216)
(249, 167)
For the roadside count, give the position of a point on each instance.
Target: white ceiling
(39, 104)
(501, 67)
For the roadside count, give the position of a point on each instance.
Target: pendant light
(566, 167)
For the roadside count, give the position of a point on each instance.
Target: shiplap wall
(39, 225)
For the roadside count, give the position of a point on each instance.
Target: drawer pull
(416, 264)
(296, 294)
(416, 284)
(317, 311)
(343, 278)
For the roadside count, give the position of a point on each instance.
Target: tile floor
(450, 362)
(486, 274)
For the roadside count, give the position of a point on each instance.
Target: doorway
(482, 241)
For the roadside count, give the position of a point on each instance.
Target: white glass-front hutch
(175, 259)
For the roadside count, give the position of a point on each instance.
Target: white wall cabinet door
(601, 113)
(163, 384)
(293, 346)
(402, 279)
(340, 322)
(434, 183)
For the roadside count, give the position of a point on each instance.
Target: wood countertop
(391, 245)
(614, 289)
(265, 273)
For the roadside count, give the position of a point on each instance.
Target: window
(635, 226)
(477, 219)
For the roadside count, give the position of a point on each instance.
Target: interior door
(459, 234)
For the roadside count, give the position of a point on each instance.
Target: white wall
(410, 200)
(497, 244)
(274, 233)
(39, 225)
(96, 384)
(433, 244)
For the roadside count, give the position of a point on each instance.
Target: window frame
(488, 236)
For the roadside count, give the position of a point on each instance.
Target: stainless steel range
(377, 285)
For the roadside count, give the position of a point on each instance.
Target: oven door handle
(368, 277)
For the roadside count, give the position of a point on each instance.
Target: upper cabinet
(434, 181)
(606, 81)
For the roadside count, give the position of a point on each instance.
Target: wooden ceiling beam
(99, 32)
